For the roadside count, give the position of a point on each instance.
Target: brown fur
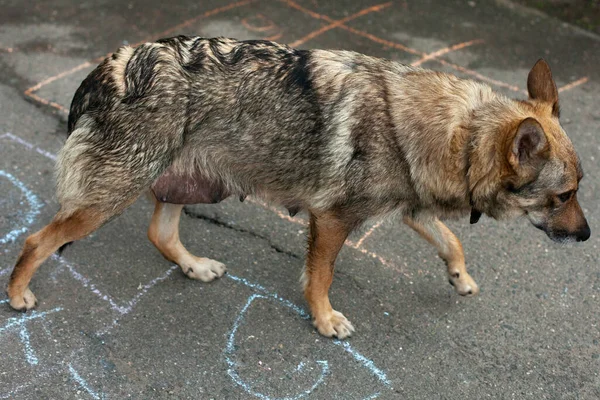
(327, 235)
(39, 246)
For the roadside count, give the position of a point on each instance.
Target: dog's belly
(175, 188)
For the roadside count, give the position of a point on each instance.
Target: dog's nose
(583, 233)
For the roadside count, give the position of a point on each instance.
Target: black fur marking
(139, 73)
(177, 43)
(213, 44)
(300, 74)
(556, 110)
(254, 42)
(293, 211)
(174, 41)
(197, 60)
(358, 154)
(95, 92)
(62, 248)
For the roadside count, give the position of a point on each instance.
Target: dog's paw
(23, 302)
(204, 269)
(463, 283)
(334, 324)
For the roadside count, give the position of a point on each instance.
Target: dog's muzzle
(580, 235)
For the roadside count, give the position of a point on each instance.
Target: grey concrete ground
(116, 320)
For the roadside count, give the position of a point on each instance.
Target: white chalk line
(121, 309)
(29, 145)
(230, 350)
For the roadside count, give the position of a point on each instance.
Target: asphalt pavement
(116, 320)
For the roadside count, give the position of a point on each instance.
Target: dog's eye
(566, 196)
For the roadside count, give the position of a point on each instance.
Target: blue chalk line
(24, 333)
(230, 348)
(29, 354)
(83, 383)
(34, 209)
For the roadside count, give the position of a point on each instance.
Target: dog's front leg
(326, 238)
(449, 249)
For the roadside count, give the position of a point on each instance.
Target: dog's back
(307, 128)
(254, 115)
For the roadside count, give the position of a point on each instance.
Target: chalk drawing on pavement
(233, 365)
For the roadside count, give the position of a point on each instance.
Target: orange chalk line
(86, 64)
(48, 103)
(55, 77)
(446, 50)
(338, 23)
(270, 24)
(478, 75)
(274, 37)
(196, 19)
(368, 233)
(382, 260)
(574, 84)
(307, 11)
(402, 47)
(383, 41)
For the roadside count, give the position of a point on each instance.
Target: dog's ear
(541, 86)
(530, 147)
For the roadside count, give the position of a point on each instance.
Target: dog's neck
(491, 129)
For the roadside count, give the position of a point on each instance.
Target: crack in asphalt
(223, 224)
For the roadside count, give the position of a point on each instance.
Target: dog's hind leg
(164, 234)
(63, 229)
(326, 238)
(449, 249)
(96, 180)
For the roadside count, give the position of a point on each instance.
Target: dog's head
(544, 168)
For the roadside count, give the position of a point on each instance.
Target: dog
(341, 135)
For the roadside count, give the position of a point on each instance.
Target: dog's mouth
(563, 236)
